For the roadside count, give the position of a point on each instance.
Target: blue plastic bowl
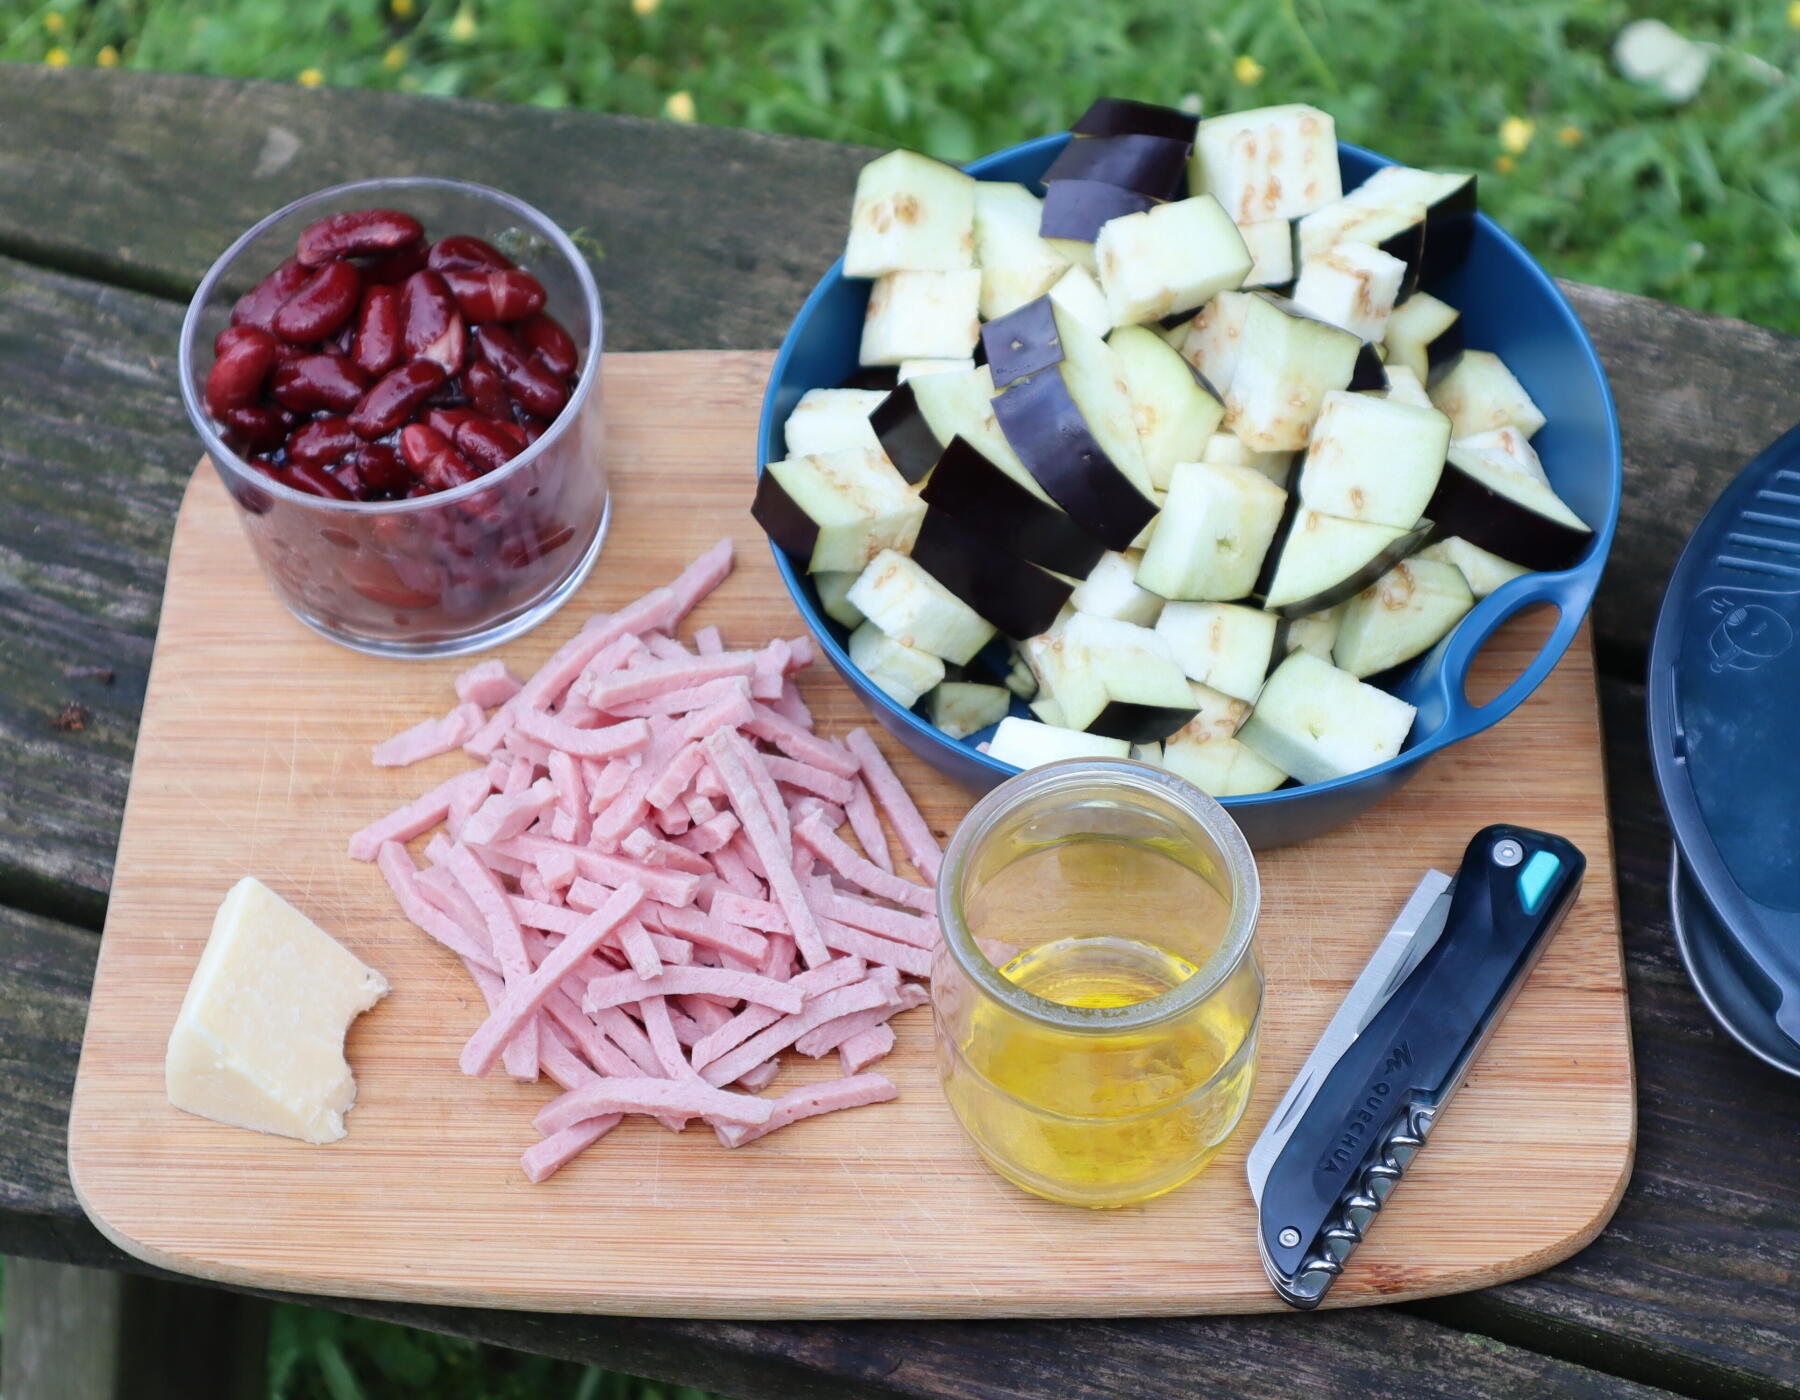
(1509, 305)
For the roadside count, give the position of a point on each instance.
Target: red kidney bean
(376, 580)
(484, 444)
(395, 267)
(376, 349)
(462, 252)
(322, 442)
(531, 425)
(322, 305)
(446, 420)
(449, 394)
(395, 397)
(519, 550)
(381, 469)
(436, 463)
(488, 295)
(554, 345)
(315, 382)
(530, 383)
(432, 327)
(356, 233)
(486, 391)
(256, 427)
(315, 481)
(512, 430)
(244, 357)
(257, 307)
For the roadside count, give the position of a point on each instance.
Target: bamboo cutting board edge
(125, 1185)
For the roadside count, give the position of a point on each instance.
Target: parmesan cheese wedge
(259, 1042)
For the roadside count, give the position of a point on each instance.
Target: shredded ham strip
(645, 880)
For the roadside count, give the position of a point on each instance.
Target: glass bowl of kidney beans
(398, 382)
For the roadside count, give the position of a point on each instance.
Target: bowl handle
(1568, 593)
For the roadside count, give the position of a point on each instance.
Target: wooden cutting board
(253, 758)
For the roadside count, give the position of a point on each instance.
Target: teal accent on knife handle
(1535, 879)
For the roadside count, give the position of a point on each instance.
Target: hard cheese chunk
(259, 1042)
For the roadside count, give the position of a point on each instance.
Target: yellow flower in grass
(1571, 135)
(640, 8)
(1794, 14)
(679, 107)
(58, 57)
(1247, 70)
(1516, 134)
(402, 9)
(53, 22)
(1505, 164)
(310, 77)
(394, 59)
(462, 28)
(108, 57)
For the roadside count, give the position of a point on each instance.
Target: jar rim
(1245, 893)
(228, 460)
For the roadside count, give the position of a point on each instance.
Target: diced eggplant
(1353, 286)
(1227, 449)
(1145, 535)
(912, 214)
(1175, 410)
(1449, 201)
(1025, 743)
(1373, 459)
(1481, 570)
(1216, 714)
(1480, 394)
(1111, 590)
(1486, 497)
(1017, 597)
(1215, 528)
(1287, 362)
(1173, 331)
(1268, 162)
(1505, 450)
(829, 420)
(1018, 678)
(921, 315)
(1048, 712)
(1319, 723)
(1224, 645)
(1169, 259)
(896, 594)
(962, 708)
(917, 369)
(1206, 754)
(837, 510)
(1316, 632)
(834, 589)
(1370, 374)
(1404, 386)
(1325, 560)
(1424, 218)
(1075, 210)
(1077, 293)
(1022, 342)
(1150, 753)
(1150, 165)
(1120, 116)
(1424, 335)
(1112, 678)
(882, 377)
(1016, 264)
(1215, 337)
(903, 672)
(1403, 614)
(1399, 233)
(967, 485)
(1271, 245)
(917, 421)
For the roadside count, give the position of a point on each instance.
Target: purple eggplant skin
(1449, 230)
(1461, 505)
(1152, 165)
(1408, 544)
(1370, 372)
(792, 529)
(967, 485)
(1022, 342)
(904, 434)
(1017, 597)
(1139, 724)
(1444, 352)
(1075, 209)
(1045, 427)
(872, 377)
(1120, 116)
(1409, 246)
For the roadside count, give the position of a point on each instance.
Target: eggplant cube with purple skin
(1267, 162)
(1495, 494)
(962, 708)
(1286, 363)
(1113, 678)
(1354, 286)
(830, 420)
(1027, 743)
(1373, 459)
(1213, 534)
(1480, 394)
(904, 673)
(1223, 645)
(921, 315)
(911, 214)
(914, 609)
(1482, 570)
(837, 510)
(1318, 723)
(1403, 614)
(1424, 335)
(1169, 259)
(1325, 560)
(1016, 264)
(1207, 753)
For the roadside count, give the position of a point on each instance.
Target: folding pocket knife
(1398, 1048)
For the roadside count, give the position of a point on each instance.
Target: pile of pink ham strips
(646, 881)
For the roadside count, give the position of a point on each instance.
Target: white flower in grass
(1648, 52)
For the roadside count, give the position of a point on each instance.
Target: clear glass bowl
(1096, 993)
(435, 575)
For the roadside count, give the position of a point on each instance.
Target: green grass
(1698, 204)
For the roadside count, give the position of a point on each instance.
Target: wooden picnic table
(117, 191)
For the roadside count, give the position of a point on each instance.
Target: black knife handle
(1376, 1106)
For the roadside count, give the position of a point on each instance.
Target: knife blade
(1395, 1053)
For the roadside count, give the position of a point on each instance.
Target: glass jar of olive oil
(1097, 992)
